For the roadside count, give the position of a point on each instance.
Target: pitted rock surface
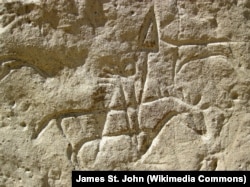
(122, 85)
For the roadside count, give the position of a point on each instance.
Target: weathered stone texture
(122, 85)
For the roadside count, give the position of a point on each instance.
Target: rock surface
(122, 85)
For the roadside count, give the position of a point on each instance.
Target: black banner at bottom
(79, 178)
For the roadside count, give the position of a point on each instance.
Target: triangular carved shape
(148, 36)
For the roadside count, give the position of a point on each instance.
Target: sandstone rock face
(122, 85)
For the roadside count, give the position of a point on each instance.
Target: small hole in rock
(234, 95)
(23, 124)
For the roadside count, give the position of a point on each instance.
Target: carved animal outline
(147, 135)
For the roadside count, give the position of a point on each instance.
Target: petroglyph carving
(148, 37)
(109, 85)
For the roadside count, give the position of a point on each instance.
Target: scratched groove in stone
(122, 85)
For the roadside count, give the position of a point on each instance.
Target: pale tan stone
(122, 85)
